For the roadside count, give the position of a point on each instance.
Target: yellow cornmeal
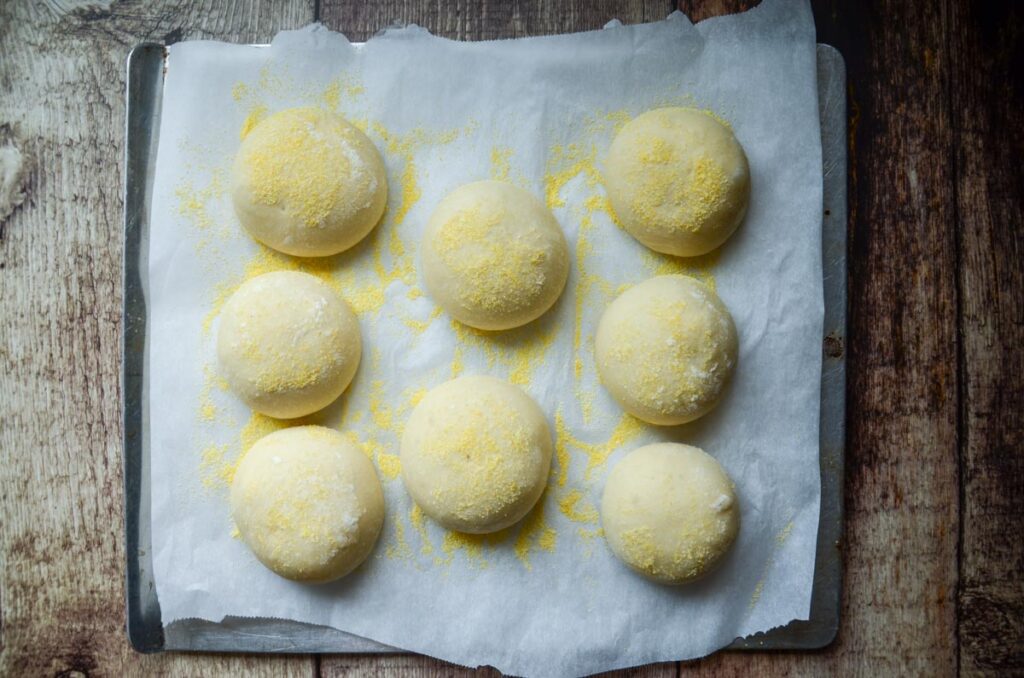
(216, 469)
(520, 350)
(565, 163)
(240, 91)
(398, 549)
(411, 192)
(500, 275)
(627, 429)
(673, 193)
(500, 162)
(535, 532)
(331, 95)
(700, 267)
(421, 326)
(641, 550)
(296, 166)
(390, 465)
(470, 544)
(380, 411)
(196, 203)
(570, 505)
(291, 370)
(419, 522)
(254, 118)
(467, 448)
(562, 457)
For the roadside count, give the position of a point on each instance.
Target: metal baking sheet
(146, 69)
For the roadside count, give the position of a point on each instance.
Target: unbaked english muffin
(678, 181)
(476, 453)
(287, 345)
(308, 503)
(665, 349)
(493, 256)
(669, 511)
(308, 183)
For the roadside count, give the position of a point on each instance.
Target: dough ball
(288, 345)
(665, 349)
(669, 512)
(308, 503)
(476, 454)
(678, 181)
(308, 183)
(493, 256)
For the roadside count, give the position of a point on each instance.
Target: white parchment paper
(547, 597)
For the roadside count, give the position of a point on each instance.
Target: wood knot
(833, 346)
(12, 174)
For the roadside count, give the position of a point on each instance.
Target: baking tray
(147, 65)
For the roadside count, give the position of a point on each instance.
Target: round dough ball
(308, 183)
(665, 349)
(308, 503)
(493, 256)
(678, 181)
(288, 345)
(476, 454)
(669, 512)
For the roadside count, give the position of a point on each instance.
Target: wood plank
(415, 666)
(61, 535)
(987, 80)
(487, 19)
(900, 545)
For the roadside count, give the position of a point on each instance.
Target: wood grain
(935, 478)
(487, 19)
(987, 98)
(61, 535)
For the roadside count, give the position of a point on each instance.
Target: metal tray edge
(146, 68)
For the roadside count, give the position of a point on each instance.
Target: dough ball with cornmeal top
(665, 349)
(678, 181)
(669, 512)
(493, 256)
(476, 453)
(308, 183)
(308, 503)
(288, 345)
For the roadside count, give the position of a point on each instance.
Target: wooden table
(933, 550)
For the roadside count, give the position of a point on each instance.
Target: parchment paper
(547, 597)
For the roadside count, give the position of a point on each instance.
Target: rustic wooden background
(935, 468)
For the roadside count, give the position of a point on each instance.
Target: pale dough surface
(308, 503)
(308, 183)
(493, 256)
(287, 344)
(665, 349)
(476, 453)
(669, 511)
(678, 181)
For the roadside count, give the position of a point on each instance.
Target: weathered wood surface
(987, 99)
(933, 551)
(61, 538)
